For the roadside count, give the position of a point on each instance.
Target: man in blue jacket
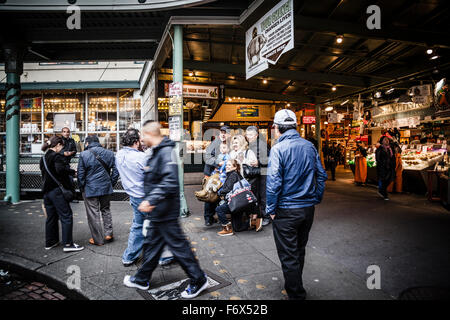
(162, 205)
(97, 174)
(295, 183)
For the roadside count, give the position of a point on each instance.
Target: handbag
(242, 199)
(209, 195)
(249, 171)
(67, 194)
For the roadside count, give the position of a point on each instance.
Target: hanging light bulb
(339, 39)
(333, 88)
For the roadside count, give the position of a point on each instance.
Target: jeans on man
(210, 209)
(291, 230)
(57, 208)
(135, 239)
(168, 233)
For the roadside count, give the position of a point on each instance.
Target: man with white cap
(295, 184)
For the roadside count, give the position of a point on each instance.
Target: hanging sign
(308, 119)
(195, 91)
(175, 128)
(269, 38)
(175, 98)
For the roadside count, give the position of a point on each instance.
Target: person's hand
(221, 163)
(272, 216)
(67, 153)
(145, 206)
(254, 163)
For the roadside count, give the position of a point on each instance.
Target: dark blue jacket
(92, 177)
(161, 184)
(295, 175)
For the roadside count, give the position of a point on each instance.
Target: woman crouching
(233, 169)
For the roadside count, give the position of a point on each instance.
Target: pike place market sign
(269, 38)
(98, 5)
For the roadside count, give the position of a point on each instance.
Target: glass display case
(129, 111)
(102, 112)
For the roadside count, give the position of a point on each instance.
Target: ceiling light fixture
(328, 109)
(429, 51)
(390, 91)
(333, 88)
(339, 39)
(434, 57)
(265, 81)
(191, 73)
(344, 102)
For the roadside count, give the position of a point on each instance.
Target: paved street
(406, 237)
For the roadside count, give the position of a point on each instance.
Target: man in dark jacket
(295, 183)
(385, 157)
(162, 205)
(97, 174)
(70, 147)
(261, 149)
(212, 162)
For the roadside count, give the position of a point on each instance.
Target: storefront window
(2, 114)
(102, 112)
(108, 141)
(129, 111)
(64, 110)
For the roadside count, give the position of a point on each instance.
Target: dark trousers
(168, 233)
(256, 189)
(332, 166)
(57, 208)
(382, 187)
(210, 209)
(99, 217)
(291, 230)
(262, 196)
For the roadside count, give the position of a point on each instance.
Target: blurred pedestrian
(360, 163)
(333, 155)
(162, 206)
(56, 175)
(385, 158)
(295, 184)
(97, 174)
(397, 183)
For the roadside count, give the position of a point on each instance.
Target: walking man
(97, 174)
(130, 162)
(162, 205)
(295, 183)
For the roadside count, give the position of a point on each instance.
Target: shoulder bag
(104, 165)
(250, 171)
(242, 199)
(67, 194)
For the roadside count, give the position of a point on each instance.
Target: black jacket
(59, 169)
(69, 145)
(362, 150)
(161, 184)
(385, 164)
(232, 178)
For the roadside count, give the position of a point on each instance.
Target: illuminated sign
(308, 119)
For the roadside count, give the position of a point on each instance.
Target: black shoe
(72, 248)
(128, 264)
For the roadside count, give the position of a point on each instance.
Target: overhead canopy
(214, 37)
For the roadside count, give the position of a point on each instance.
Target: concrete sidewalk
(407, 237)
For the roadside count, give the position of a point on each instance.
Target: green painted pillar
(318, 138)
(13, 68)
(178, 77)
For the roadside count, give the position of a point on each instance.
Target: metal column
(318, 137)
(13, 68)
(178, 77)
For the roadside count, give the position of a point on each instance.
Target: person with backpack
(97, 174)
(57, 189)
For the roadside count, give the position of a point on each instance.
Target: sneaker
(73, 247)
(166, 261)
(379, 193)
(208, 224)
(52, 246)
(128, 264)
(131, 282)
(227, 230)
(194, 290)
(386, 198)
(266, 221)
(258, 224)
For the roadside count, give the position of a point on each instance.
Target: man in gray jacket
(97, 174)
(211, 162)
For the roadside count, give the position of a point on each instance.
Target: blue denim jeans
(135, 239)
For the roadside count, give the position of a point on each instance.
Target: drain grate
(425, 293)
(172, 290)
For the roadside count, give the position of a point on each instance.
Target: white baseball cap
(285, 117)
